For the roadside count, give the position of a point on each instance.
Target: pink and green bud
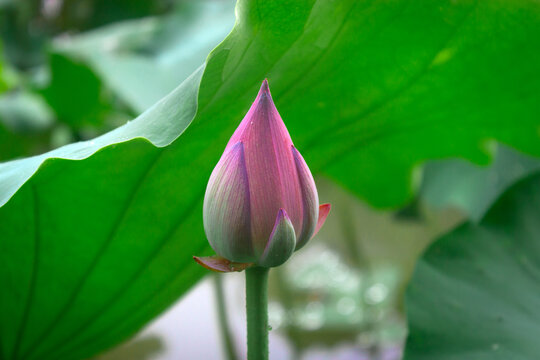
(261, 203)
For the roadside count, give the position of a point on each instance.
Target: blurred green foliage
(6, 74)
(141, 61)
(27, 26)
(96, 80)
(78, 102)
(25, 122)
(472, 188)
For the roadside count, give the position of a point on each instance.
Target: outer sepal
(309, 199)
(219, 264)
(226, 209)
(281, 244)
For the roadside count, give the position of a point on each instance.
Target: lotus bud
(261, 202)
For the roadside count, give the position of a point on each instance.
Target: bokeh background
(71, 70)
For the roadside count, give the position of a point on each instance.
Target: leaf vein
(65, 309)
(31, 290)
(136, 275)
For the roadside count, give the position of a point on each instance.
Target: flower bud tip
(264, 91)
(261, 202)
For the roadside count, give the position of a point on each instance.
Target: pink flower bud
(261, 202)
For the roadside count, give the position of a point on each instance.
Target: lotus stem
(257, 312)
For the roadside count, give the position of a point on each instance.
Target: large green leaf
(93, 249)
(474, 294)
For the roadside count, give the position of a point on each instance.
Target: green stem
(257, 312)
(230, 351)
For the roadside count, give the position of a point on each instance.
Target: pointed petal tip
(220, 264)
(327, 207)
(324, 210)
(264, 91)
(265, 86)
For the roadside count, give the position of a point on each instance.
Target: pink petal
(281, 243)
(309, 199)
(271, 168)
(324, 210)
(226, 209)
(219, 264)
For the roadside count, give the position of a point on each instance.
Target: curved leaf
(96, 247)
(474, 293)
(93, 249)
